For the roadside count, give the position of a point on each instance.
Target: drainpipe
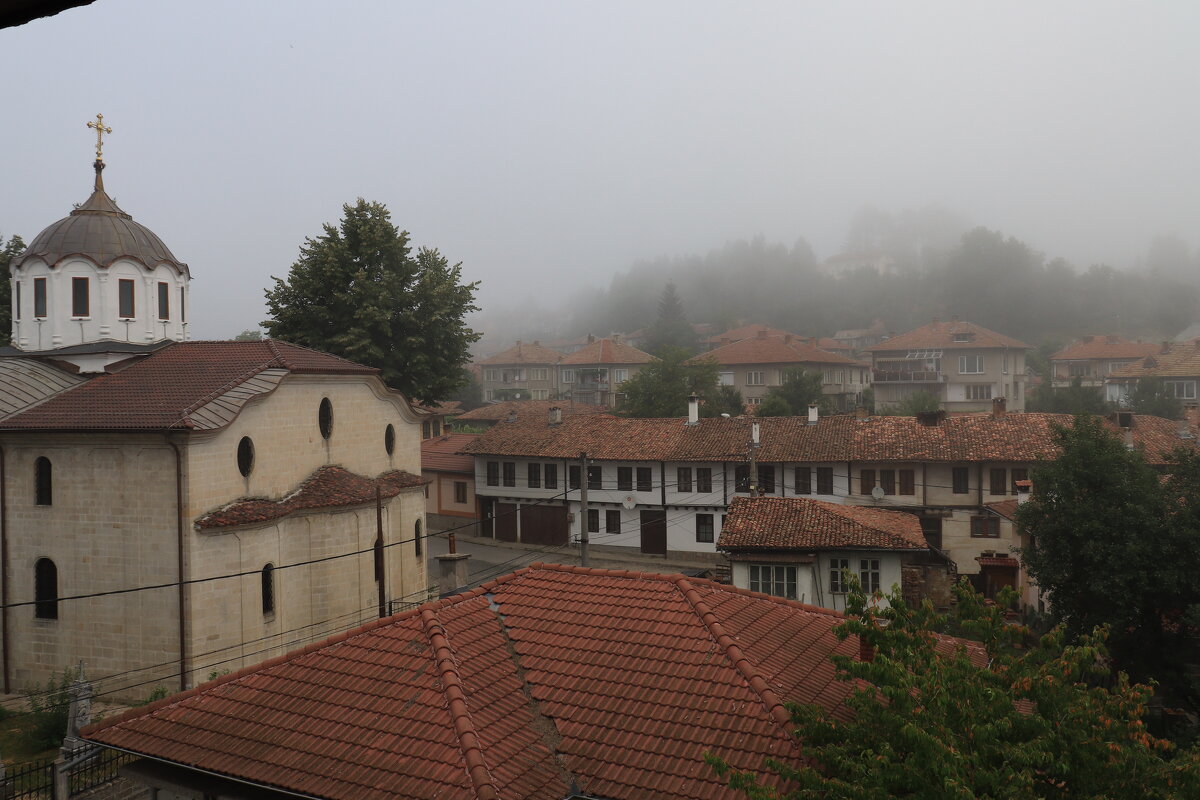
(180, 565)
(4, 580)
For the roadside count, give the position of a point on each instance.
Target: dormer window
(964, 337)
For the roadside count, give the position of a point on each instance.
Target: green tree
(798, 389)
(8, 251)
(1152, 396)
(1114, 544)
(359, 292)
(726, 400)
(914, 404)
(1074, 399)
(672, 328)
(1008, 718)
(249, 335)
(773, 405)
(662, 387)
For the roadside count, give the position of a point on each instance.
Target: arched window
(419, 544)
(45, 589)
(268, 589)
(389, 439)
(245, 456)
(43, 482)
(325, 418)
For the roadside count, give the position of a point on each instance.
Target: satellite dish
(877, 493)
(629, 502)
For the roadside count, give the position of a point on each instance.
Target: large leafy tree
(795, 392)
(1073, 399)
(1010, 718)
(662, 387)
(8, 251)
(1152, 396)
(358, 291)
(1112, 543)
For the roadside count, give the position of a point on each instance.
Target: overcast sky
(547, 145)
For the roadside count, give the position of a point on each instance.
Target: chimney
(1024, 489)
(762, 333)
(693, 410)
(1185, 430)
(555, 415)
(1125, 419)
(1166, 348)
(999, 407)
(591, 338)
(813, 413)
(1129, 445)
(787, 338)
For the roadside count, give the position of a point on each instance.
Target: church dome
(101, 232)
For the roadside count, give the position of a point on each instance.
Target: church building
(171, 509)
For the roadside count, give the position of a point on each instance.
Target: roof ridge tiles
(460, 713)
(754, 679)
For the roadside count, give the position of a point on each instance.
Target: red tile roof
(441, 454)
(523, 353)
(328, 487)
(606, 351)
(1005, 508)
(159, 391)
(1105, 347)
(531, 409)
(1182, 360)
(551, 681)
(772, 350)
(997, 561)
(745, 332)
(962, 438)
(942, 334)
(773, 523)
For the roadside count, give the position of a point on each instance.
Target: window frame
(704, 479)
(43, 481)
(624, 479)
(492, 473)
(683, 479)
(839, 569)
(508, 473)
(803, 484)
(887, 481)
(550, 475)
(870, 574)
(978, 391)
(41, 301)
(908, 482)
(644, 479)
(960, 480)
(533, 475)
(997, 481)
(764, 578)
(126, 312)
(460, 492)
(164, 301)
(866, 481)
(612, 521)
(81, 299)
(985, 526)
(756, 378)
(978, 363)
(568, 376)
(825, 480)
(706, 528)
(45, 589)
(593, 520)
(595, 477)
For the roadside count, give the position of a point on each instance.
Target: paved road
(493, 560)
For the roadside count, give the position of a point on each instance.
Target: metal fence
(96, 771)
(34, 780)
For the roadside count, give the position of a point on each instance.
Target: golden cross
(100, 131)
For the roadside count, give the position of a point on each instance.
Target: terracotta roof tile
(523, 353)
(746, 332)
(441, 453)
(800, 522)
(942, 335)
(159, 391)
(606, 351)
(549, 681)
(1182, 360)
(1105, 347)
(1005, 508)
(772, 350)
(328, 487)
(530, 409)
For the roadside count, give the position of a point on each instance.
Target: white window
(1113, 366)
(1183, 390)
(538, 374)
(491, 375)
(756, 379)
(540, 394)
(487, 394)
(979, 391)
(620, 375)
(725, 378)
(773, 579)
(838, 567)
(970, 365)
(568, 376)
(753, 401)
(1080, 369)
(868, 574)
(963, 337)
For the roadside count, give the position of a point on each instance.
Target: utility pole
(583, 509)
(754, 440)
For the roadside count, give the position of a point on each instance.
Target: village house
(594, 373)
(754, 365)
(1176, 364)
(522, 372)
(663, 486)
(263, 491)
(1093, 358)
(962, 364)
(553, 683)
(857, 340)
(449, 482)
(805, 549)
(489, 414)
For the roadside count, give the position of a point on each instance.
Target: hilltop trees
(359, 292)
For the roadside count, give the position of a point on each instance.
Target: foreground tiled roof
(493, 412)
(1182, 360)
(524, 353)
(773, 523)
(941, 335)
(964, 438)
(163, 389)
(1105, 347)
(441, 453)
(327, 488)
(772, 350)
(550, 682)
(606, 351)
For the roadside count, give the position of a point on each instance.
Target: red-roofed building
(551, 683)
(175, 507)
(594, 373)
(801, 549)
(449, 481)
(964, 365)
(522, 372)
(1176, 364)
(1093, 358)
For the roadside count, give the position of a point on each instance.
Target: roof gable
(1105, 347)
(771, 350)
(606, 351)
(522, 353)
(954, 334)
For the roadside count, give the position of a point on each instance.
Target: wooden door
(654, 532)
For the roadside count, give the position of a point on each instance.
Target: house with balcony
(594, 373)
(1176, 364)
(522, 372)
(754, 365)
(663, 486)
(964, 365)
(1093, 358)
